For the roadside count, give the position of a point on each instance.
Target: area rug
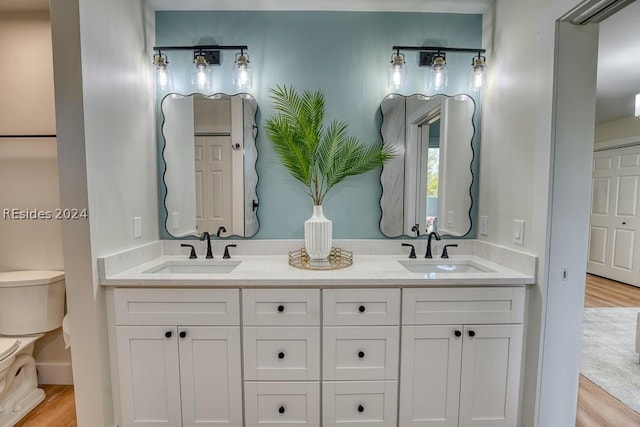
(608, 352)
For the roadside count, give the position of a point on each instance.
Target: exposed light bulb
(163, 72)
(200, 73)
(478, 67)
(242, 75)
(438, 74)
(397, 72)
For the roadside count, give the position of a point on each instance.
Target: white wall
(107, 157)
(627, 127)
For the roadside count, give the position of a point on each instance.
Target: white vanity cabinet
(361, 335)
(178, 354)
(281, 351)
(461, 357)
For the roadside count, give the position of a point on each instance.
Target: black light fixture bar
(439, 49)
(211, 52)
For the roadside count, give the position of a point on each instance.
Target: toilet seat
(8, 346)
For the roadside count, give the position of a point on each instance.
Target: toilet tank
(31, 302)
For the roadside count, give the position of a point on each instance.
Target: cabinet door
(490, 376)
(430, 376)
(149, 376)
(210, 376)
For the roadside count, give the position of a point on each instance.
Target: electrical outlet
(137, 227)
(175, 220)
(518, 232)
(450, 219)
(484, 225)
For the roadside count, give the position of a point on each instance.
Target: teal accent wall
(344, 54)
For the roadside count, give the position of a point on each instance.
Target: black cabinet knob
(281, 355)
(457, 333)
(472, 334)
(280, 308)
(281, 409)
(183, 334)
(362, 309)
(360, 408)
(361, 354)
(168, 334)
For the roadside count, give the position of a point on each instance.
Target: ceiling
(618, 57)
(618, 64)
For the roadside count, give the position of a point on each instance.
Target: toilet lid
(7, 347)
(30, 277)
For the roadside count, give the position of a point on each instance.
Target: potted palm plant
(319, 157)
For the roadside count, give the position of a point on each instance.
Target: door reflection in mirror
(210, 156)
(429, 184)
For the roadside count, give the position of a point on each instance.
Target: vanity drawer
(176, 306)
(360, 404)
(429, 306)
(282, 354)
(361, 307)
(294, 404)
(281, 307)
(360, 352)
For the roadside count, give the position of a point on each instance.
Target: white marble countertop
(274, 271)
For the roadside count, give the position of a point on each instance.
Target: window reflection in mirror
(210, 157)
(429, 184)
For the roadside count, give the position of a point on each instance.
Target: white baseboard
(54, 373)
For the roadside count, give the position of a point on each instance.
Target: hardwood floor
(596, 407)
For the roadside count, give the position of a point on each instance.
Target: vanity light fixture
(397, 71)
(476, 74)
(203, 58)
(435, 58)
(242, 78)
(638, 105)
(163, 71)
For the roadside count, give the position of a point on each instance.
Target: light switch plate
(175, 220)
(484, 225)
(518, 232)
(137, 227)
(450, 219)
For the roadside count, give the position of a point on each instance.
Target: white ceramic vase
(317, 235)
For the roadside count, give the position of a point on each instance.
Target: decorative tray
(338, 258)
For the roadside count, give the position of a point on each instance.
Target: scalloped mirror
(428, 186)
(210, 164)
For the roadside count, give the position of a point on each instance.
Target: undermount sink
(192, 266)
(443, 266)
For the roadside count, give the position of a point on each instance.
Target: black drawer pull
(183, 334)
(168, 334)
(472, 334)
(281, 409)
(362, 309)
(361, 354)
(360, 408)
(457, 333)
(281, 355)
(280, 308)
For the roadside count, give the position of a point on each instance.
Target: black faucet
(432, 234)
(445, 254)
(416, 229)
(412, 254)
(207, 236)
(192, 255)
(226, 251)
(220, 231)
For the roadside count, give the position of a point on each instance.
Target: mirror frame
(392, 177)
(251, 183)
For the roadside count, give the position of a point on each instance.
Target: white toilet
(31, 303)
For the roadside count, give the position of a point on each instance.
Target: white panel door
(615, 227)
(490, 379)
(210, 376)
(213, 183)
(149, 376)
(430, 376)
